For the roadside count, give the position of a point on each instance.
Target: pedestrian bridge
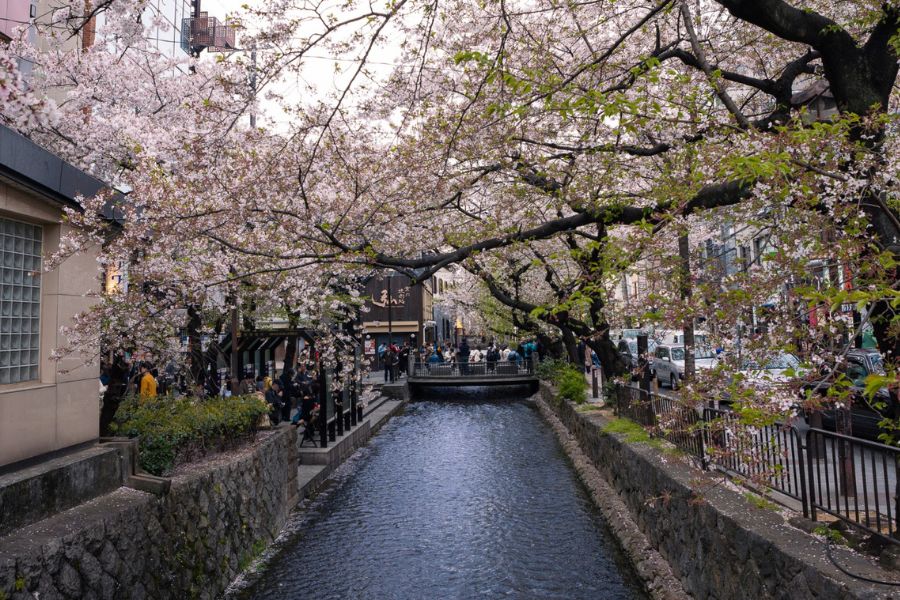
(473, 374)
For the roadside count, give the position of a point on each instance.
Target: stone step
(374, 405)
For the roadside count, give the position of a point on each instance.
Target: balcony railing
(206, 33)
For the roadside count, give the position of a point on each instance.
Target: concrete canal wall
(718, 544)
(188, 543)
(189, 539)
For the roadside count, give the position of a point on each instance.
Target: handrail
(852, 479)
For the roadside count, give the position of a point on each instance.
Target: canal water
(465, 499)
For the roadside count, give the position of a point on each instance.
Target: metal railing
(828, 473)
(768, 456)
(854, 480)
(483, 368)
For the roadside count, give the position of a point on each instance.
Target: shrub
(173, 430)
(572, 385)
(552, 369)
(568, 379)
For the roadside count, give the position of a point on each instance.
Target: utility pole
(684, 281)
(253, 84)
(390, 312)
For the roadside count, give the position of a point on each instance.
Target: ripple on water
(454, 500)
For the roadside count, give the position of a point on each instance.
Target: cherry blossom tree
(547, 148)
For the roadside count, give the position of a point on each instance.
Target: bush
(551, 369)
(175, 430)
(568, 379)
(572, 385)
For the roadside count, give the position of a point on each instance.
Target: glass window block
(20, 300)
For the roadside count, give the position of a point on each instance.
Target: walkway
(316, 464)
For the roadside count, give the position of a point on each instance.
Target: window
(20, 301)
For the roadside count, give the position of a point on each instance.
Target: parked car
(668, 363)
(778, 369)
(864, 416)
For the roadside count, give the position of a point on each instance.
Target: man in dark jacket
(287, 380)
(276, 402)
(462, 358)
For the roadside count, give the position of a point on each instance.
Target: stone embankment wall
(189, 543)
(717, 543)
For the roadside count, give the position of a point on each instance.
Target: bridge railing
(482, 368)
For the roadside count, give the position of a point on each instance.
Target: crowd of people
(292, 396)
(490, 354)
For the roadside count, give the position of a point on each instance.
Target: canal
(453, 499)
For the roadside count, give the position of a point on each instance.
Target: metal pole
(684, 253)
(253, 84)
(235, 350)
(323, 409)
(339, 407)
(390, 313)
(353, 398)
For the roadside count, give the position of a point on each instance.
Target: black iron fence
(831, 475)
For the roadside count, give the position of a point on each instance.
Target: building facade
(45, 405)
(396, 311)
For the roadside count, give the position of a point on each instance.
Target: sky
(322, 74)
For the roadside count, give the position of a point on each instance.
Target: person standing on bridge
(462, 357)
(491, 357)
(475, 357)
(403, 358)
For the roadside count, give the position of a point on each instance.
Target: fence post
(801, 447)
(810, 482)
(323, 408)
(845, 453)
(704, 458)
(354, 398)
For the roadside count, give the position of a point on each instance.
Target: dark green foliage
(174, 430)
(566, 377)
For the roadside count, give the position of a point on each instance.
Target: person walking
(389, 361)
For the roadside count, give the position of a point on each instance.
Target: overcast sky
(319, 68)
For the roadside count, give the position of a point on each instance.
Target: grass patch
(635, 434)
(830, 534)
(587, 407)
(760, 502)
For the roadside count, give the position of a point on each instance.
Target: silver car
(668, 363)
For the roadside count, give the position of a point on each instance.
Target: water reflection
(454, 500)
